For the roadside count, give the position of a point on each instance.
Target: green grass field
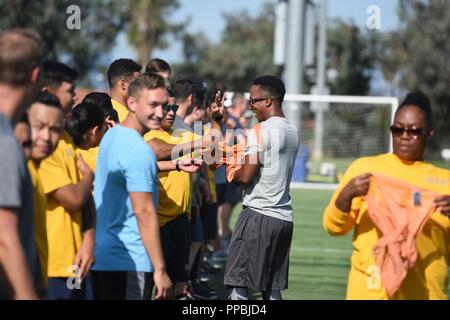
(319, 263)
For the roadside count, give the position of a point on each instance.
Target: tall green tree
(244, 51)
(149, 24)
(81, 48)
(351, 55)
(417, 54)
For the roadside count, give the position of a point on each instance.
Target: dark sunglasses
(412, 132)
(173, 107)
(255, 100)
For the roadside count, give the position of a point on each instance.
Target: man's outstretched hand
(190, 165)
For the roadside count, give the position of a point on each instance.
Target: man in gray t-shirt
(21, 55)
(16, 191)
(259, 250)
(268, 192)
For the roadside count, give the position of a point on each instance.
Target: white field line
(321, 250)
(299, 207)
(314, 186)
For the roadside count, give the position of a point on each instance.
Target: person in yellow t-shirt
(428, 278)
(46, 121)
(67, 183)
(181, 94)
(120, 74)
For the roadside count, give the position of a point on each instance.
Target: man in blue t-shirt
(125, 189)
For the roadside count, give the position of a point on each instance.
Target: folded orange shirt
(234, 156)
(399, 210)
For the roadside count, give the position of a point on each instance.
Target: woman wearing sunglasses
(399, 207)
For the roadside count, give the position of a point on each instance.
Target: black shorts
(208, 214)
(228, 192)
(122, 285)
(175, 243)
(196, 227)
(259, 252)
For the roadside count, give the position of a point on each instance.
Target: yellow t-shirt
(174, 187)
(428, 279)
(90, 156)
(40, 208)
(122, 111)
(63, 228)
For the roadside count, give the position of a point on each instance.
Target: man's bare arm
(12, 256)
(144, 210)
(163, 150)
(187, 165)
(245, 175)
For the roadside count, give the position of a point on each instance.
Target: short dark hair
(157, 65)
(200, 90)
(83, 117)
(272, 85)
(55, 73)
(122, 69)
(48, 99)
(23, 119)
(21, 50)
(182, 89)
(148, 81)
(421, 101)
(103, 101)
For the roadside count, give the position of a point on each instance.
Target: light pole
(293, 71)
(321, 88)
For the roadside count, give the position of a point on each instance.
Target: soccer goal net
(334, 131)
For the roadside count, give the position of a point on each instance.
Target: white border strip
(333, 98)
(321, 250)
(341, 99)
(313, 186)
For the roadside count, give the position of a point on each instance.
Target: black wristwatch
(177, 165)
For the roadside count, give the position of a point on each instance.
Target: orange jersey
(399, 210)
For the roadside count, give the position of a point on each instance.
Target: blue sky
(206, 16)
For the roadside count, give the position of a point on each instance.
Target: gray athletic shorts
(259, 252)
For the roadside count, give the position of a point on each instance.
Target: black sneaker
(210, 267)
(207, 286)
(185, 296)
(204, 275)
(200, 292)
